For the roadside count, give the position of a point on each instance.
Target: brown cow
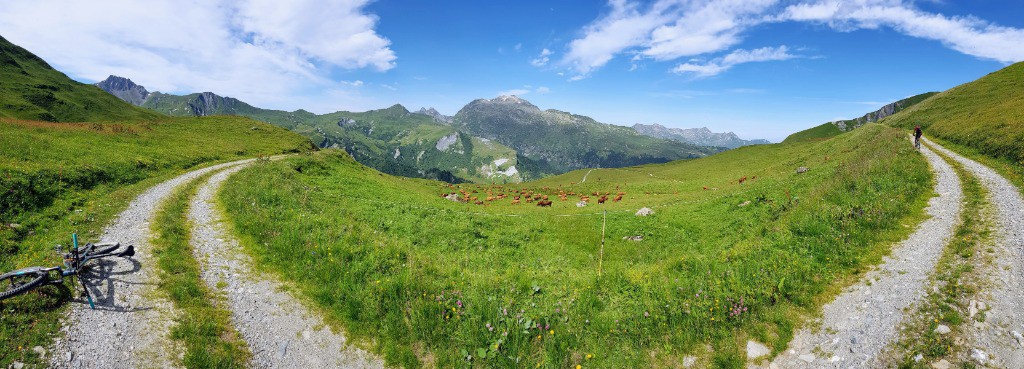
(544, 203)
(602, 199)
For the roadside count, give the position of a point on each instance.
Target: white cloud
(268, 53)
(542, 59)
(736, 57)
(355, 83)
(543, 90)
(968, 35)
(390, 87)
(667, 30)
(514, 91)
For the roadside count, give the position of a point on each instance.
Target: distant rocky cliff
(124, 89)
(696, 136)
(885, 111)
(433, 113)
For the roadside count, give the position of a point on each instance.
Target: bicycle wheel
(20, 281)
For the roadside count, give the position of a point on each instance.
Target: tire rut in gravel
(129, 327)
(864, 319)
(280, 331)
(1004, 294)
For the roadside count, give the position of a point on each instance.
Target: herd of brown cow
(541, 197)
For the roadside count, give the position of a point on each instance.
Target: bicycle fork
(74, 239)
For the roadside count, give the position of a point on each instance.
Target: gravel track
(863, 320)
(280, 332)
(1004, 294)
(129, 327)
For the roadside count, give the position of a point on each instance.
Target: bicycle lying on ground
(76, 260)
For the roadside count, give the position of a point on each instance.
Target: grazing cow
(743, 179)
(545, 197)
(516, 201)
(705, 188)
(544, 203)
(617, 198)
(602, 199)
(479, 202)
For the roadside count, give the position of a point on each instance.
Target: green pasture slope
(31, 89)
(57, 177)
(425, 281)
(983, 117)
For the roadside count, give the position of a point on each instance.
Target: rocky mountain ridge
(433, 113)
(882, 113)
(505, 139)
(697, 136)
(124, 89)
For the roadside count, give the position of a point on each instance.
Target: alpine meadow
(562, 185)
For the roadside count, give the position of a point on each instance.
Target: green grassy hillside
(739, 247)
(59, 178)
(986, 116)
(824, 131)
(554, 142)
(31, 89)
(391, 140)
(834, 128)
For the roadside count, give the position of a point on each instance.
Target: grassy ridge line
(446, 288)
(986, 115)
(956, 285)
(204, 328)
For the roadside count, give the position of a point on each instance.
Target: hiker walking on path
(917, 137)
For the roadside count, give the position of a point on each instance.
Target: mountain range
(697, 136)
(506, 139)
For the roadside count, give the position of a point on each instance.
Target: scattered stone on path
(581, 204)
(756, 350)
(809, 358)
(17, 365)
(942, 329)
(802, 170)
(39, 350)
(633, 238)
(644, 212)
(689, 361)
(972, 309)
(941, 364)
(979, 356)
(1017, 336)
(282, 348)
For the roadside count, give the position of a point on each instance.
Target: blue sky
(760, 68)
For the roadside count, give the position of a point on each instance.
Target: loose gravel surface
(864, 319)
(1005, 294)
(129, 327)
(280, 331)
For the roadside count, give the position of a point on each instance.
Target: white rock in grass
(756, 350)
(644, 212)
(689, 361)
(942, 329)
(941, 364)
(980, 356)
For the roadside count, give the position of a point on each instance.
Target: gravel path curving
(129, 327)
(1005, 295)
(863, 320)
(280, 331)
